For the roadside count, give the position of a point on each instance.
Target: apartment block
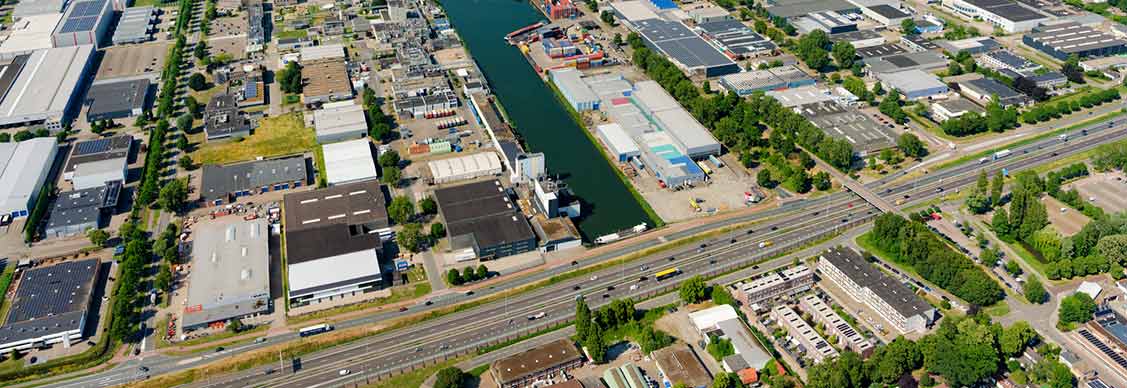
(894, 301)
(816, 347)
(775, 285)
(847, 336)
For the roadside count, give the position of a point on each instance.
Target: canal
(539, 117)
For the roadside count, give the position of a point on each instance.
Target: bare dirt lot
(1068, 222)
(127, 61)
(1106, 190)
(235, 46)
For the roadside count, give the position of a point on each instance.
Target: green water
(539, 117)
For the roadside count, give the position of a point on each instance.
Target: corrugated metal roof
(349, 161)
(340, 119)
(340, 268)
(21, 165)
(618, 140)
(45, 86)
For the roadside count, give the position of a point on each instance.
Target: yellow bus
(694, 205)
(666, 274)
(704, 168)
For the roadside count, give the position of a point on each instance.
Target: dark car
(774, 228)
(576, 288)
(750, 231)
(642, 278)
(606, 295)
(671, 258)
(610, 288)
(402, 309)
(573, 262)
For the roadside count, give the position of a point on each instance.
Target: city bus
(666, 274)
(315, 329)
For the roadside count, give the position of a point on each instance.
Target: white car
(633, 287)
(594, 277)
(343, 372)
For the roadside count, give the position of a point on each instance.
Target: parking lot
(228, 26)
(133, 60)
(1066, 220)
(723, 191)
(1106, 190)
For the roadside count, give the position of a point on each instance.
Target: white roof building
(29, 34)
(28, 8)
(231, 265)
(24, 167)
(44, 85)
(465, 167)
(95, 174)
(349, 161)
(1092, 289)
(341, 122)
(618, 141)
(693, 138)
(708, 318)
(323, 273)
(316, 53)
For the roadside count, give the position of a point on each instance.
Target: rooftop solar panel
(250, 90)
(92, 147)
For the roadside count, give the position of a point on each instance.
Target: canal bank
(540, 119)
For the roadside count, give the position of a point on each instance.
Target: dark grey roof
(1010, 59)
(82, 16)
(483, 210)
(50, 300)
(1073, 38)
(1048, 76)
(333, 221)
(222, 180)
(736, 37)
(795, 8)
(117, 96)
(882, 50)
(989, 87)
(889, 11)
(99, 149)
(853, 36)
(222, 117)
(10, 71)
(256, 29)
(681, 44)
(920, 42)
(891, 291)
(83, 206)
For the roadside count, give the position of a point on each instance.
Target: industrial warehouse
(24, 167)
(43, 86)
(231, 273)
(483, 222)
(50, 306)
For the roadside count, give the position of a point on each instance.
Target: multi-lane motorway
(787, 227)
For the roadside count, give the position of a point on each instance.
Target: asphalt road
(798, 223)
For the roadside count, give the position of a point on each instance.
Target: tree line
(912, 244)
(1047, 111)
(738, 122)
(595, 329)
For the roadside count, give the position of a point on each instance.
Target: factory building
(687, 50)
(735, 39)
(1008, 15)
(28, 8)
(30, 33)
(333, 244)
(340, 121)
(1065, 39)
(230, 273)
(860, 38)
(621, 146)
(886, 14)
(40, 315)
(925, 60)
(679, 364)
(84, 23)
(576, 92)
(483, 222)
(1004, 59)
(115, 148)
(349, 161)
(984, 90)
(24, 167)
(828, 21)
(790, 9)
(690, 137)
(914, 84)
(464, 167)
(224, 184)
(43, 86)
(135, 26)
(973, 46)
(778, 78)
(708, 13)
(889, 298)
(117, 99)
(956, 107)
(326, 81)
(75, 212)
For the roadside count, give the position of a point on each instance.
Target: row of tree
(1046, 112)
(592, 327)
(739, 122)
(996, 119)
(379, 123)
(912, 244)
(963, 351)
(468, 275)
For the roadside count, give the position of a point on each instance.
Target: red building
(560, 9)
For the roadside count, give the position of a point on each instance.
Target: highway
(796, 224)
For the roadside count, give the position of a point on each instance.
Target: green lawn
(417, 288)
(276, 136)
(414, 378)
(5, 282)
(217, 337)
(291, 34)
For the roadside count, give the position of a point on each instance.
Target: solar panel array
(1107, 350)
(250, 90)
(83, 16)
(92, 147)
(53, 290)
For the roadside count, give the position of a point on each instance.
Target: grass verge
(514, 341)
(418, 288)
(416, 377)
(276, 136)
(216, 339)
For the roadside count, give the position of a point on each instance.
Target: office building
(24, 167)
(483, 222)
(75, 212)
(835, 326)
(533, 367)
(224, 184)
(118, 99)
(256, 23)
(956, 107)
(84, 23)
(815, 347)
(889, 298)
(93, 174)
(914, 84)
(230, 272)
(774, 285)
(1066, 39)
(333, 243)
(708, 13)
(349, 161)
(918, 43)
(223, 120)
(50, 306)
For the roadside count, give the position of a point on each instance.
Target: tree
(727, 380)
(410, 237)
(982, 185)
(978, 203)
(401, 209)
(822, 181)
(1001, 223)
(911, 145)
(693, 290)
(596, 345)
(1076, 308)
(482, 272)
(1015, 338)
(1113, 247)
(437, 231)
(890, 106)
(392, 176)
(812, 49)
(97, 237)
(1013, 268)
(844, 54)
(454, 277)
(182, 142)
(428, 206)
(186, 162)
(469, 275)
(184, 122)
(893, 361)
(582, 318)
(389, 159)
(763, 178)
(449, 377)
(908, 27)
(173, 196)
(163, 280)
(720, 347)
(197, 82)
(235, 326)
(1071, 69)
(289, 78)
(193, 106)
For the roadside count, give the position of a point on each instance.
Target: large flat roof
(681, 44)
(81, 207)
(325, 78)
(330, 272)
(231, 270)
(338, 120)
(349, 161)
(923, 60)
(545, 357)
(117, 96)
(680, 364)
(911, 80)
(90, 151)
(21, 165)
(736, 37)
(221, 180)
(31, 33)
(891, 291)
(43, 87)
(483, 210)
(1073, 38)
(332, 221)
(795, 8)
(1007, 9)
(51, 299)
